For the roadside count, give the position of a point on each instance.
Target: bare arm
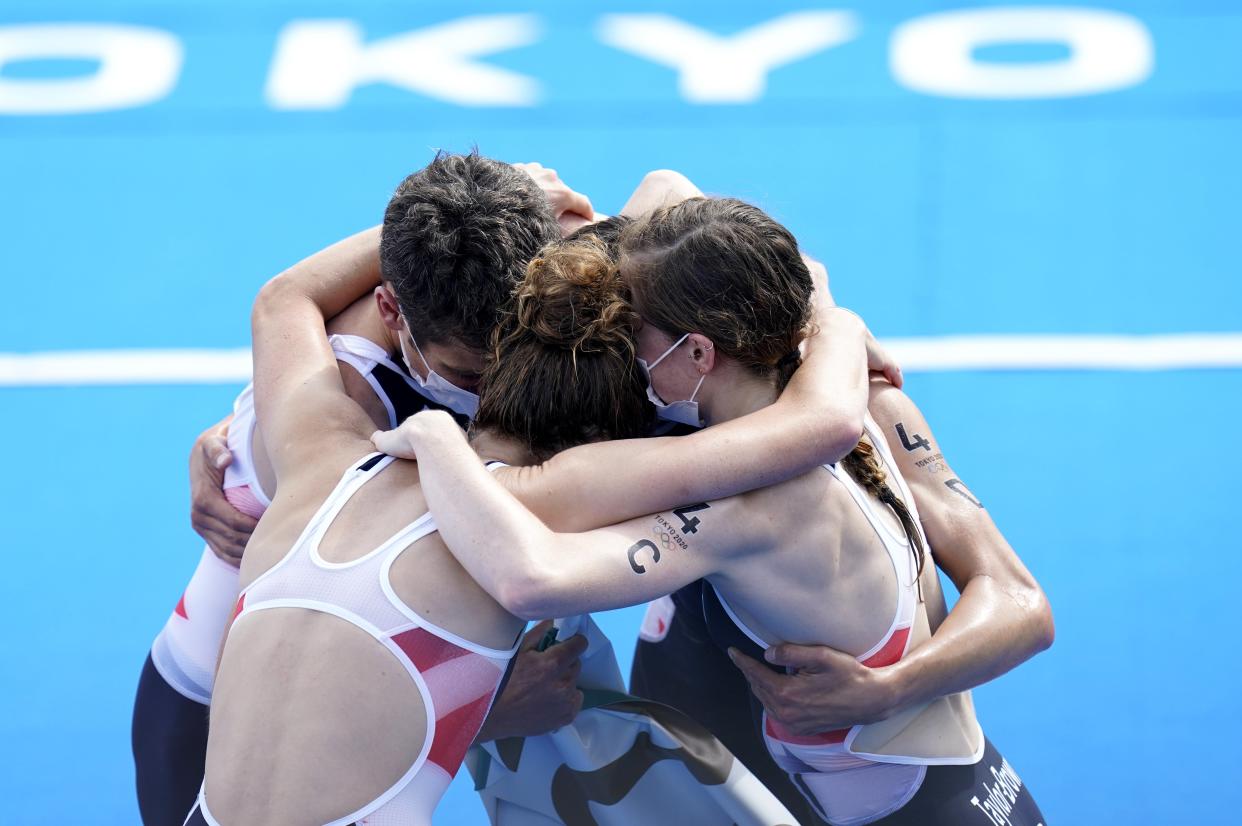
(1001, 619)
(299, 393)
(659, 188)
(225, 529)
(816, 420)
(336, 277)
(530, 569)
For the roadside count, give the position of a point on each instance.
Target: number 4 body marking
(690, 525)
(911, 446)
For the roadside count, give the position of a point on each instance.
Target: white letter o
(138, 65)
(1108, 51)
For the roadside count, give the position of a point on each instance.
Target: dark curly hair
(562, 370)
(456, 239)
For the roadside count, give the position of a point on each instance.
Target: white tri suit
(170, 710)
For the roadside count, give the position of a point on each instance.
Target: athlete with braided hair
(833, 557)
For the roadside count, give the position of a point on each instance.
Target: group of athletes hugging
(786, 525)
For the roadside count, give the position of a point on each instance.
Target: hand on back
(826, 690)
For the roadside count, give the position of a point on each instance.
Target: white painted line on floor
(99, 367)
(1181, 351)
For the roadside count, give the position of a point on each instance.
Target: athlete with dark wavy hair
(455, 240)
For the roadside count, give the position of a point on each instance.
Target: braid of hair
(864, 468)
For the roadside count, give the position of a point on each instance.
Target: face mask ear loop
(419, 351)
(696, 387)
(702, 378)
(664, 355)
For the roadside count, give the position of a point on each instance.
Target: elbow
(1044, 628)
(521, 599)
(272, 296)
(668, 186)
(839, 433)
(530, 595)
(853, 427)
(1030, 604)
(1038, 626)
(664, 179)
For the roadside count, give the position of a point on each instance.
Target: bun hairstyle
(727, 270)
(562, 370)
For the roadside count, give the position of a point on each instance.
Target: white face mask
(439, 389)
(683, 412)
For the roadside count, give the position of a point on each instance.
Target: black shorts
(169, 739)
(989, 792)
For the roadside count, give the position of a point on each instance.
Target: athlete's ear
(702, 353)
(389, 312)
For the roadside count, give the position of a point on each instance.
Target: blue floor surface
(152, 227)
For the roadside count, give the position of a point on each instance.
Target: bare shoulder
(905, 429)
(790, 494)
(361, 318)
(298, 496)
(772, 516)
(313, 480)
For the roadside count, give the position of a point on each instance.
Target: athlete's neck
(733, 391)
(493, 446)
(392, 345)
